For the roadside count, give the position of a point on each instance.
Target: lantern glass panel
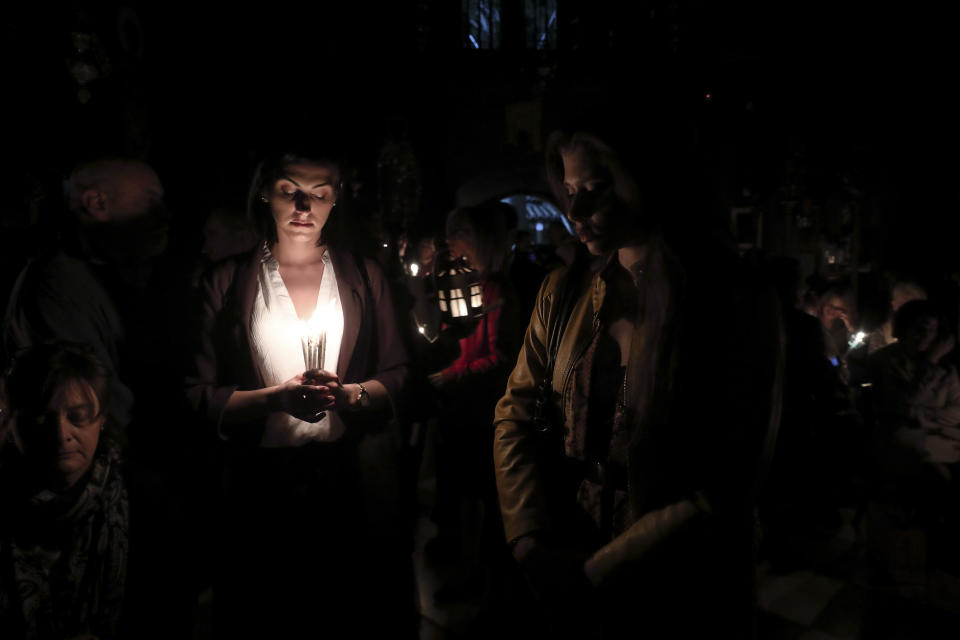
(458, 307)
(443, 300)
(476, 297)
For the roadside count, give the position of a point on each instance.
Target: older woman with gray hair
(64, 537)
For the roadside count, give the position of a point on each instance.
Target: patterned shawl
(63, 555)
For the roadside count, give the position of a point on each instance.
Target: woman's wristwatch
(364, 398)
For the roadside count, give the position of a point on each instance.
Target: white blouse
(275, 331)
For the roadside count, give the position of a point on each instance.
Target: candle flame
(313, 336)
(319, 321)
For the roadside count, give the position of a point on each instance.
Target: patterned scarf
(63, 555)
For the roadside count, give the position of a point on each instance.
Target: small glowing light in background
(422, 330)
(414, 268)
(857, 339)
(539, 226)
(385, 245)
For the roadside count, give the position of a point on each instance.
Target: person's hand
(344, 396)
(304, 398)
(846, 321)
(436, 380)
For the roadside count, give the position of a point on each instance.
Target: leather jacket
(522, 497)
(699, 424)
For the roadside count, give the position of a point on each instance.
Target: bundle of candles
(313, 338)
(314, 349)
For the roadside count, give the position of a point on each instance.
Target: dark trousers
(298, 558)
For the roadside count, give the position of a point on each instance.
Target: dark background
(816, 104)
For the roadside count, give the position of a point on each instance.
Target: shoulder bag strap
(565, 299)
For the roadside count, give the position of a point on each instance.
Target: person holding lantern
(476, 237)
(468, 389)
(627, 442)
(298, 366)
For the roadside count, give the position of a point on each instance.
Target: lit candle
(313, 338)
(314, 345)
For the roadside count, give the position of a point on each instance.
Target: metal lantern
(459, 292)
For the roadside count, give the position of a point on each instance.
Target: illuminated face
(601, 219)
(301, 201)
(63, 440)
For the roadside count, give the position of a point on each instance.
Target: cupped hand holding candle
(345, 396)
(303, 398)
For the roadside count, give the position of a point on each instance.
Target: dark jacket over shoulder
(701, 395)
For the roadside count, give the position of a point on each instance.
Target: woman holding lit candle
(298, 364)
(625, 458)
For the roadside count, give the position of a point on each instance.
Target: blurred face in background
(122, 209)
(425, 256)
(462, 242)
(134, 191)
(833, 313)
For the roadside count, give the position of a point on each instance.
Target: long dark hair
(272, 168)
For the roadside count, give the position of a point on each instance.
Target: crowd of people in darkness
(630, 418)
(868, 435)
